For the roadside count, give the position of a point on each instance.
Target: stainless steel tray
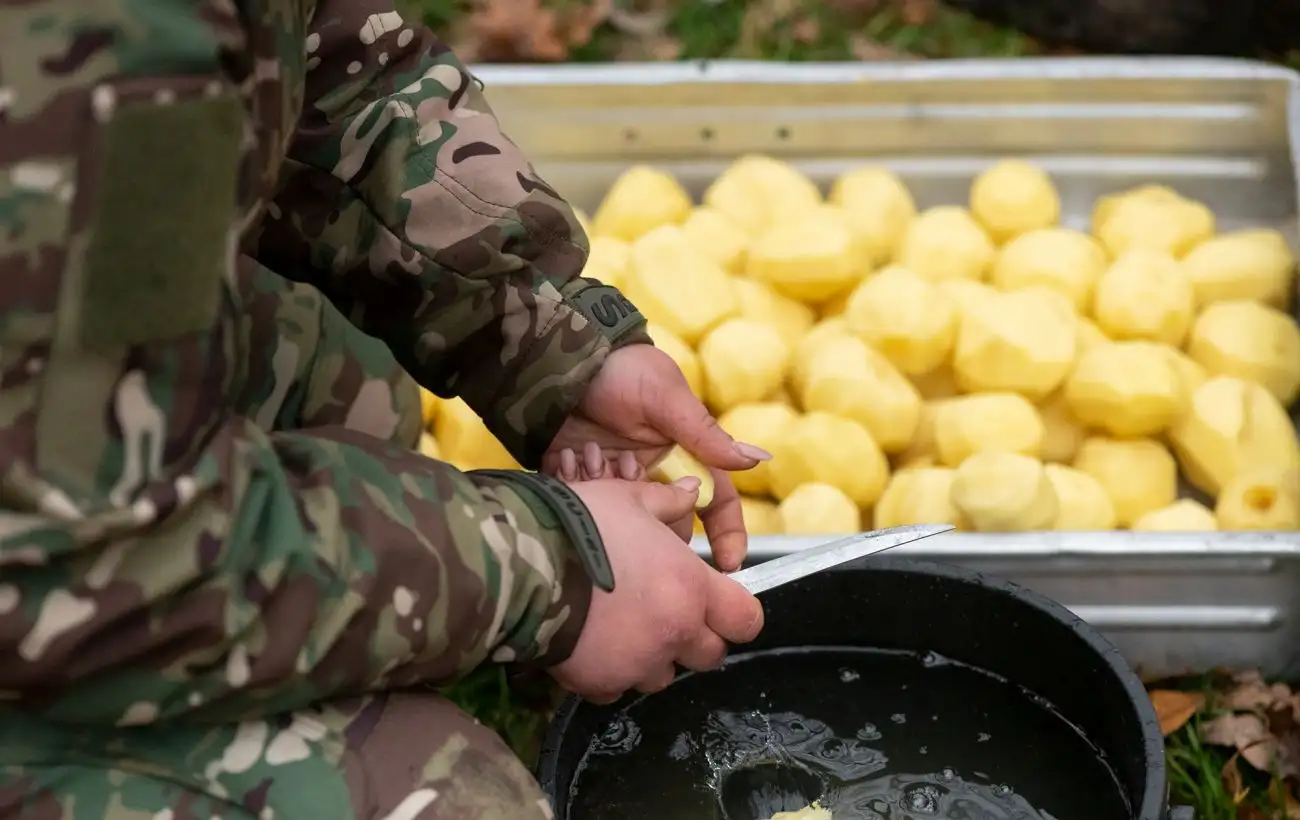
(1224, 131)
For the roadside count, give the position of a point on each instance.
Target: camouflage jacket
(160, 552)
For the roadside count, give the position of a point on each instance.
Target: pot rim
(1155, 793)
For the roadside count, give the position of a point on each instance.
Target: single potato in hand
(1059, 258)
(1253, 264)
(1013, 197)
(679, 464)
(1004, 492)
(1145, 295)
(763, 424)
(1184, 515)
(986, 422)
(1251, 341)
(817, 508)
(819, 447)
(743, 361)
(906, 318)
(1233, 426)
(1138, 474)
(946, 243)
(1126, 389)
(1023, 341)
(920, 495)
(1084, 504)
(640, 200)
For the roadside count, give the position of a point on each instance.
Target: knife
(797, 565)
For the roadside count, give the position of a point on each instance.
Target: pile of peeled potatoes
(979, 364)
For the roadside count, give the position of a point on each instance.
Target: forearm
(303, 567)
(429, 229)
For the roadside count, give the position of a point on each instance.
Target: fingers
(668, 502)
(684, 527)
(706, 652)
(732, 612)
(629, 469)
(568, 465)
(680, 416)
(724, 523)
(594, 464)
(657, 680)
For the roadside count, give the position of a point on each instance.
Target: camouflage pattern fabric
(210, 520)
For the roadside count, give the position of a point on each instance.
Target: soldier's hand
(668, 607)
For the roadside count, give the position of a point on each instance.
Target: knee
(425, 759)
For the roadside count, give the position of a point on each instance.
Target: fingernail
(750, 451)
(688, 483)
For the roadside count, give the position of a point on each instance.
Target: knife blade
(797, 565)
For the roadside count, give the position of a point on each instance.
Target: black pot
(994, 625)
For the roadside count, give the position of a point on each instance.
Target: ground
(1233, 742)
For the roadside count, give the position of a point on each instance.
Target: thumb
(680, 416)
(668, 502)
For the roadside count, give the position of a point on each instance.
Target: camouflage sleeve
(429, 229)
(162, 555)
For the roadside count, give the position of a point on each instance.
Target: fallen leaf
(869, 51)
(1249, 692)
(1175, 708)
(1285, 729)
(808, 31)
(917, 12)
(1232, 780)
(1247, 734)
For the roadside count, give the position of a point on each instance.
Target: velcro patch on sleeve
(609, 310)
(163, 207)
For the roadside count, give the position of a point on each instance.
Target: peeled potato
(758, 192)
(676, 286)
(1023, 341)
(466, 442)
(906, 318)
(1089, 335)
(1084, 504)
(946, 243)
(640, 200)
(1126, 389)
(1004, 492)
(967, 294)
(878, 206)
(813, 812)
(1013, 197)
(822, 334)
(1062, 432)
(758, 301)
(428, 446)
(681, 353)
(609, 261)
(817, 508)
(1253, 264)
(1145, 295)
(807, 258)
(819, 447)
(1190, 374)
(1138, 474)
(923, 451)
(1066, 260)
(1251, 341)
(849, 379)
(1233, 426)
(1261, 500)
(762, 424)
(986, 422)
(743, 360)
(679, 464)
(920, 495)
(940, 383)
(1151, 217)
(1184, 515)
(762, 517)
(718, 238)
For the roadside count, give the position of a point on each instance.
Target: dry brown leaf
(640, 49)
(917, 12)
(808, 31)
(513, 31)
(1232, 779)
(1247, 734)
(1250, 692)
(1175, 708)
(869, 51)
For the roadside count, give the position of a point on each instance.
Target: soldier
(227, 586)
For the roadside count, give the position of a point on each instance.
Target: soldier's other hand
(668, 607)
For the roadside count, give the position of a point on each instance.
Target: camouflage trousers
(388, 756)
